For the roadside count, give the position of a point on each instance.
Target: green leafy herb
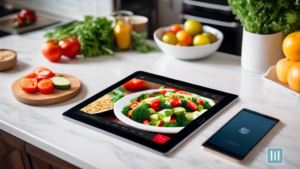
(267, 16)
(139, 43)
(117, 94)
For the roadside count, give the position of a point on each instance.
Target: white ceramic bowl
(126, 100)
(188, 52)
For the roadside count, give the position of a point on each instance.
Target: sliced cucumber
(60, 82)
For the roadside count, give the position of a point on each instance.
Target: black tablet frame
(174, 141)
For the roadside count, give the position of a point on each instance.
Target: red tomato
(192, 105)
(31, 75)
(183, 92)
(43, 73)
(172, 119)
(135, 84)
(28, 84)
(200, 101)
(51, 51)
(129, 113)
(133, 105)
(29, 15)
(19, 21)
(175, 28)
(139, 100)
(175, 101)
(70, 46)
(163, 92)
(155, 104)
(45, 86)
(146, 122)
(161, 124)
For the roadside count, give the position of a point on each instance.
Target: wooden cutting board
(40, 99)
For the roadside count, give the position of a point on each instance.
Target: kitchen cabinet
(17, 154)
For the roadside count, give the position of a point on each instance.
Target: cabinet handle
(212, 21)
(208, 5)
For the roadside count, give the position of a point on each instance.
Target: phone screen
(241, 134)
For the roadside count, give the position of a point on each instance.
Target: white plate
(271, 78)
(126, 100)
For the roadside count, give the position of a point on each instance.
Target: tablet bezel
(175, 140)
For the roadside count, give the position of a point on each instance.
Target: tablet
(151, 111)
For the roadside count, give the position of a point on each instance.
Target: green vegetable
(159, 96)
(206, 105)
(143, 96)
(117, 95)
(95, 34)
(194, 99)
(161, 87)
(184, 103)
(165, 105)
(60, 82)
(141, 113)
(267, 16)
(139, 44)
(175, 124)
(125, 110)
(200, 108)
(182, 120)
(181, 97)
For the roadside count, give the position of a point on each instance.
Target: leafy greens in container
(96, 36)
(267, 16)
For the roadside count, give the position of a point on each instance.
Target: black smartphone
(238, 137)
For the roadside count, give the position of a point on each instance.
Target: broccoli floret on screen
(175, 124)
(206, 105)
(182, 120)
(165, 105)
(141, 113)
(126, 109)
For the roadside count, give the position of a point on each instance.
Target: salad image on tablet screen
(166, 108)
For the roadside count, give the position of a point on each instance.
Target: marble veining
(44, 126)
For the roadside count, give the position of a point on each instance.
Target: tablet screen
(146, 101)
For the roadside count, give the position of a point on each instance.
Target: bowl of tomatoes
(189, 41)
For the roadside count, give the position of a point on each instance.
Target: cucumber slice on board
(60, 82)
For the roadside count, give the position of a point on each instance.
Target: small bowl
(188, 52)
(8, 64)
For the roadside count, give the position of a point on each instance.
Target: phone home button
(200, 121)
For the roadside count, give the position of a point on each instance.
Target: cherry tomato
(146, 122)
(19, 21)
(51, 51)
(163, 92)
(161, 124)
(200, 101)
(184, 36)
(133, 105)
(155, 104)
(135, 84)
(28, 84)
(43, 73)
(173, 118)
(70, 46)
(192, 105)
(175, 28)
(139, 100)
(45, 86)
(31, 75)
(29, 15)
(183, 92)
(175, 101)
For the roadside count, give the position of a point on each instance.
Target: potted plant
(266, 22)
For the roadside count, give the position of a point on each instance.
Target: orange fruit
(294, 77)
(181, 44)
(282, 69)
(184, 36)
(175, 28)
(291, 46)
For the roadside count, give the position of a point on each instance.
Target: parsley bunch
(267, 16)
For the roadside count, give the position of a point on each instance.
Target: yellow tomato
(282, 68)
(200, 40)
(169, 38)
(181, 44)
(212, 38)
(193, 27)
(294, 77)
(184, 36)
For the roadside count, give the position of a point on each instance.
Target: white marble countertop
(44, 127)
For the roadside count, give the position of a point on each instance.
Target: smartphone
(238, 137)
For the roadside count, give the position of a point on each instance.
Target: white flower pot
(260, 52)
